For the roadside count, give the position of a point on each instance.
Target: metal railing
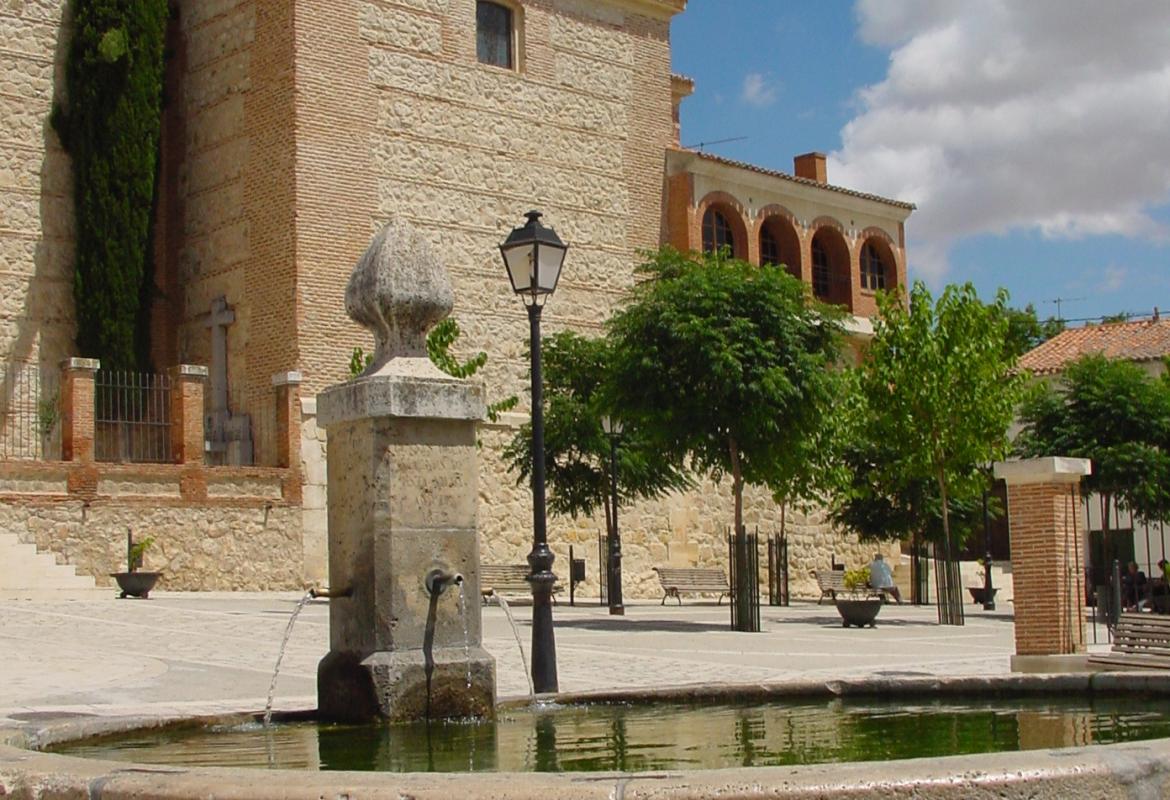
(743, 557)
(778, 571)
(30, 419)
(132, 417)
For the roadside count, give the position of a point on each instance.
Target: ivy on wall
(109, 124)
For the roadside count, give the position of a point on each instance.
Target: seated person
(1133, 587)
(1160, 588)
(881, 577)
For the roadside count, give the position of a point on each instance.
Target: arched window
(494, 34)
(717, 232)
(779, 244)
(822, 280)
(769, 248)
(873, 270)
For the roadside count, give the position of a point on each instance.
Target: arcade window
(769, 248)
(717, 232)
(820, 264)
(873, 271)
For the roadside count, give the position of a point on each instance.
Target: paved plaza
(207, 653)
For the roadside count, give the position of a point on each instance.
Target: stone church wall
(36, 209)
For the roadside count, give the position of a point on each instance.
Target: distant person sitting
(880, 577)
(1160, 588)
(1133, 587)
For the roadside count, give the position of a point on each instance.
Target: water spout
(438, 579)
(318, 591)
(280, 655)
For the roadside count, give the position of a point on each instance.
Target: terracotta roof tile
(806, 181)
(1133, 341)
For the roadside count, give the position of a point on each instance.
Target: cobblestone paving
(206, 653)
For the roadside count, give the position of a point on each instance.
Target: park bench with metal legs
(676, 580)
(830, 582)
(1139, 640)
(507, 579)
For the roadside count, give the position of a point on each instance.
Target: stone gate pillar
(1048, 560)
(402, 490)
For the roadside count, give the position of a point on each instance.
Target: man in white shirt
(881, 577)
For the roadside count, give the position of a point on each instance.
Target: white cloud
(759, 90)
(999, 115)
(1113, 278)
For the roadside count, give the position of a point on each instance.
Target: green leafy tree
(577, 451)
(1118, 416)
(727, 365)
(939, 393)
(110, 126)
(880, 504)
(439, 342)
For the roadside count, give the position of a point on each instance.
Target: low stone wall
(214, 528)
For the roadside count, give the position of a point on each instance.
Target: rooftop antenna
(1060, 300)
(701, 145)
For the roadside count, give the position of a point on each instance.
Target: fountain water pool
(1031, 709)
(663, 736)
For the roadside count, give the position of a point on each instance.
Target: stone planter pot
(136, 584)
(859, 611)
(979, 594)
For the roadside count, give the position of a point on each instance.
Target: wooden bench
(829, 581)
(507, 579)
(676, 580)
(1139, 641)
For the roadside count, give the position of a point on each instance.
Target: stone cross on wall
(220, 317)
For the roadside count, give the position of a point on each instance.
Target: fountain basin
(1096, 771)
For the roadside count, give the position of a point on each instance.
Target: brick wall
(1047, 538)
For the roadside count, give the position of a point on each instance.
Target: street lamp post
(533, 256)
(613, 429)
(988, 589)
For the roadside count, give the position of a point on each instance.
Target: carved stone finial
(399, 290)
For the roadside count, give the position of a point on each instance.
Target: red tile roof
(1134, 341)
(785, 176)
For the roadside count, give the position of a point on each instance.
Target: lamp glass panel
(519, 262)
(551, 260)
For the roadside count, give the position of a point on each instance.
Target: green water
(655, 737)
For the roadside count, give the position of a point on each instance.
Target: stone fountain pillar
(402, 495)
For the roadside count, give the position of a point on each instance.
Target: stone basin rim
(1094, 771)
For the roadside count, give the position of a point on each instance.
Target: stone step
(27, 573)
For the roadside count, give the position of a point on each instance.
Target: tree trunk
(744, 617)
(948, 579)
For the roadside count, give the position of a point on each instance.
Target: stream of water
(516, 632)
(280, 656)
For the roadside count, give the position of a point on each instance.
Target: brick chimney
(811, 166)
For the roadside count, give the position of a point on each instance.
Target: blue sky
(1034, 137)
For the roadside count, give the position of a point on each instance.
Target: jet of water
(280, 656)
(519, 643)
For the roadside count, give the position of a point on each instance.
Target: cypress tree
(110, 125)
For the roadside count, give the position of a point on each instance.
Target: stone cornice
(660, 9)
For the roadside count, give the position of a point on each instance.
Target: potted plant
(979, 592)
(856, 605)
(132, 582)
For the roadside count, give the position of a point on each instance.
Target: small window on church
(495, 26)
